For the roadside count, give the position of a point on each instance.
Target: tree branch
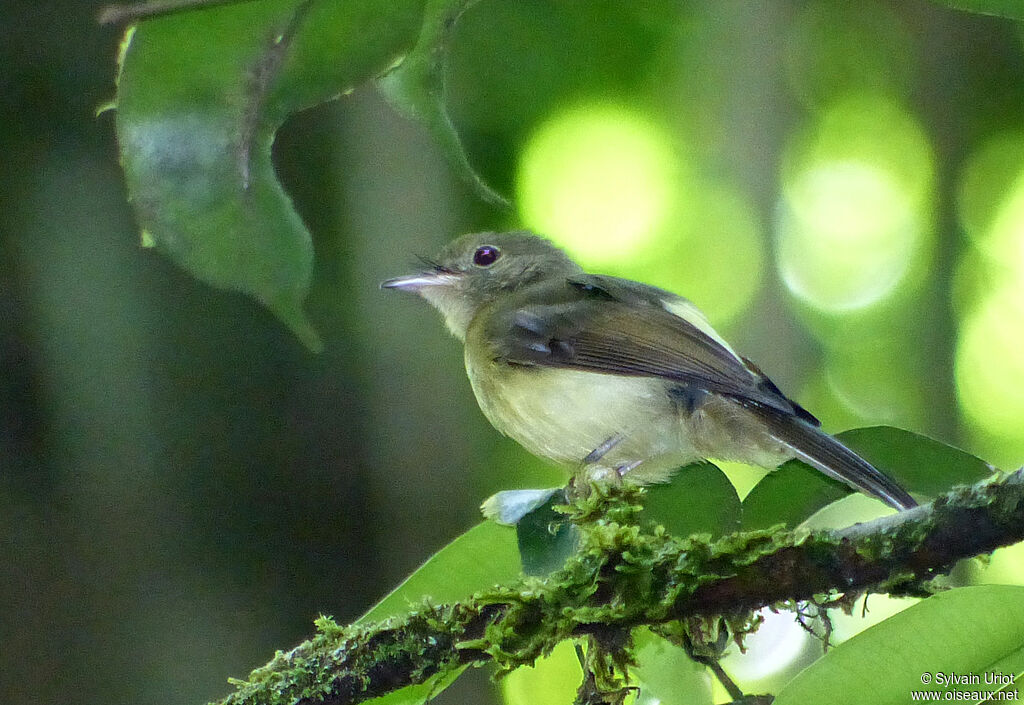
(624, 577)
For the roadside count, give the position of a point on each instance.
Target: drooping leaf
(922, 465)
(416, 86)
(666, 673)
(199, 97)
(700, 499)
(970, 630)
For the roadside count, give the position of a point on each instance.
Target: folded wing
(613, 326)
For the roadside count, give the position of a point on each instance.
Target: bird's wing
(613, 326)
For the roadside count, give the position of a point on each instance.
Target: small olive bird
(606, 375)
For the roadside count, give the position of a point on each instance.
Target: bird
(611, 378)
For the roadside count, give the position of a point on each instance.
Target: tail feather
(825, 453)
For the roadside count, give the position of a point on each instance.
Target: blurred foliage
(183, 486)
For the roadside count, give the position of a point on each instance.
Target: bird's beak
(418, 282)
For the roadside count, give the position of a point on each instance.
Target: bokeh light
(1004, 242)
(990, 196)
(854, 216)
(600, 179)
(877, 381)
(879, 607)
(610, 186)
(714, 256)
(990, 297)
(847, 236)
(990, 366)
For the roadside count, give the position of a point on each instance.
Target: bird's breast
(565, 415)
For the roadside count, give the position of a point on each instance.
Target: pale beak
(416, 282)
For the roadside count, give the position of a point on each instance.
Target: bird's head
(477, 269)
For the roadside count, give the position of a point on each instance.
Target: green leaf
(666, 673)
(481, 558)
(200, 95)
(1011, 9)
(922, 465)
(552, 680)
(418, 694)
(700, 499)
(546, 537)
(416, 87)
(789, 495)
(484, 556)
(970, 630)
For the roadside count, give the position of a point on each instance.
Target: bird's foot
(626, 467)
(602, 450)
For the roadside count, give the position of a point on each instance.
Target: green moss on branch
(623, 577)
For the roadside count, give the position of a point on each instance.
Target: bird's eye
(486, 255)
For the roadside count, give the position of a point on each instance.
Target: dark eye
(486, 255)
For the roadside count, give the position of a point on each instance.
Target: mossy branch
(624, 577)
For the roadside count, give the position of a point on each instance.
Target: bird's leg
(602, 450)
(579, 483)
(626, 467)
(602, 473)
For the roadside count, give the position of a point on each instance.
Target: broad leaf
(789, 495)
(923, 465)
(971, 630)
(666, 673)
(700, 499)
(481, 558)
(200, 95)
(484, 556)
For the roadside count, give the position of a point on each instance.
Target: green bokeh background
(183, 487)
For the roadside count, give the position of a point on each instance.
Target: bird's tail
(823, 452)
